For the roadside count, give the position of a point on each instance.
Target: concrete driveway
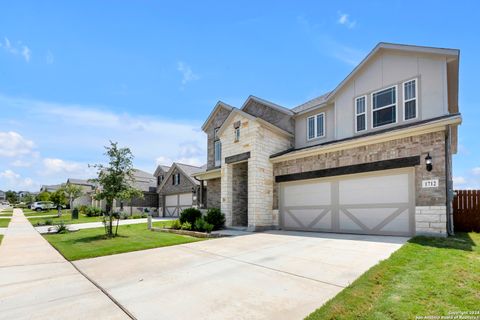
(270, 275)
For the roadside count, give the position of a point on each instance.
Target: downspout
(448, 179)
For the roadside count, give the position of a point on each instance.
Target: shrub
(216, 218)
(93, 212)
(48, 222)
(124, 215)
(139, 215)
(203, 226)
(61, 227)
(82, 209)
(186, 226)
(176, 224)
(190, 215)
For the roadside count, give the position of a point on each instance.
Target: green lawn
(1, 237)
(66, 217)
(426, 277)
(4, 223)
(5, 214)
(89, 243)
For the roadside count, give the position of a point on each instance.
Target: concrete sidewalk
(36, 282)
(89, 225)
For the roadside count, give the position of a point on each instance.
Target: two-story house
(373, 156)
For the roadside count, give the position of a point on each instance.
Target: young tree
(29, 198)
(73, 192)
(115, 181)
(43, 196)
(11, 196)
(58, 198)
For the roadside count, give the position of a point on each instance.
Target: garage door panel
(380, 203)
(171, 200)
(301, 194)
(367, 190)
(185, 199)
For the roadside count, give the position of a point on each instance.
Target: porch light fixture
(428, 162)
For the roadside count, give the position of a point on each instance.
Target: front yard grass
(426, 277)
(66, 217)
(90, 243)
(1, 237)
(4, 223)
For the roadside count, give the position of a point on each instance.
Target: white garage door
(375, 203)
(175, 203)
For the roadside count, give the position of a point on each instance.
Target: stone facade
(240, 194)
(213, 193)
(168, 188)
(261, 143)
(273, 116)
(429, 201)
(216, 123)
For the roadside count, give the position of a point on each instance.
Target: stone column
(226, 193)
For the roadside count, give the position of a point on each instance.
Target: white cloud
(49, 58)
(459, 181)
(55, 166)
(187, 73)
(344, 19)
(476, 171)
(12, 144)
(22, 163)
(20, 49)
(13, 180)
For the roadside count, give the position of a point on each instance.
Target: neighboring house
(50, 188)
(143, 181)
(160, 174)
(178, 190)
(3, 195)
(354, 160)
(88, 189)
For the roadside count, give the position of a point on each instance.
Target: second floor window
(237, 134)
(159, 179)
(360, 114)
(218, 153)
(316, 126)
(384, 107)
(410, 99)
(176, 179)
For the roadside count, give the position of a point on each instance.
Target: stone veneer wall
(213, 193)
(217, 121)
(430, 216)
(261, 143)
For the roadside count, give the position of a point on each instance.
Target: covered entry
(380, 202)
(175, 203)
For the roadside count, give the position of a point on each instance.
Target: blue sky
(74, 75)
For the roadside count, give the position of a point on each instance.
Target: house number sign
(433, 183)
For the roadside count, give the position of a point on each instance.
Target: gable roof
(186, 170)
(82, 182)
(143, 180)
(325, 98)
(272, 127)
(266, 103)
(218, 106)
(161, 167)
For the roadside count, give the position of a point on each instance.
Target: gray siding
(301, 127)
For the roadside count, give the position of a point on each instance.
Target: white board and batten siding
(378, 203)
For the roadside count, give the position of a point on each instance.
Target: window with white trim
(384, 107)
(218, 153)
(410, 99)
(237, 134)
(316, 126)
(360, 113)
(176, 179)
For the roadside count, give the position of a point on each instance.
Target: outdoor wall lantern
(428, 162)
(194, 193)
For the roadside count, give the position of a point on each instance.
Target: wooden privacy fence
(466, 210)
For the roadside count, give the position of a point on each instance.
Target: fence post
(149, 222)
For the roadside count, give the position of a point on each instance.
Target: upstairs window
(215, 134)
(176, 179)
(237, 134)
(218, 153)
(384, 107)
(159, 179)
(410, 99)
(360, 114)
(316, 126)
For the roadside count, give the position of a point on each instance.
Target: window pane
(320, 125)
(360, 105)
(410, 109)
(218, 153)
(410, 90)
(384, 116)
(311, 127)
(361, 122)
(384, 98)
